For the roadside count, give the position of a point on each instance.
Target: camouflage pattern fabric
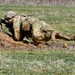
(20, 23)
(65, 36)
(33, 20)
(25, 25)
(41, 32)
(16, 27)
(16, 21)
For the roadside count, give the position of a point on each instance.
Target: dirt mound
(7, 42)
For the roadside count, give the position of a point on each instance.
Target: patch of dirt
(7, 42)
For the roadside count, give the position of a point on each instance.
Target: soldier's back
(41, 32)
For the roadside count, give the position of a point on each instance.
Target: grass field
(37, 62)
(49, 62)
(60, 18)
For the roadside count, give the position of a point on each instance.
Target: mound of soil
(7, 42)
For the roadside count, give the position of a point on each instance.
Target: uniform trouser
(56, 35)
(42, 37)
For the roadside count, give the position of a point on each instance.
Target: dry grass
(38, 2)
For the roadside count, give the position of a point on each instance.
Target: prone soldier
(25, 26)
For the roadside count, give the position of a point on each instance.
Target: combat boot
(62, 36)
(71, 37)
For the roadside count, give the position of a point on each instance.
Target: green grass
(50, 62)
(61, 18)
(37, 62)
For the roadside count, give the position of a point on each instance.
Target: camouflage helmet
(10, 14)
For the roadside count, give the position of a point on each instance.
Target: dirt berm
(7, 42)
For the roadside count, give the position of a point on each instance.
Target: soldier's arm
(2, 22)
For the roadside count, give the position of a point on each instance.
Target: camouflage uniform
(21, 27)
(16, 27)
(41, 32)
(18, 24)
(26, 26)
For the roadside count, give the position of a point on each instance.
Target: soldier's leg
(65, 36)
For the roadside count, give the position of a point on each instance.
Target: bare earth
(6, 43)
